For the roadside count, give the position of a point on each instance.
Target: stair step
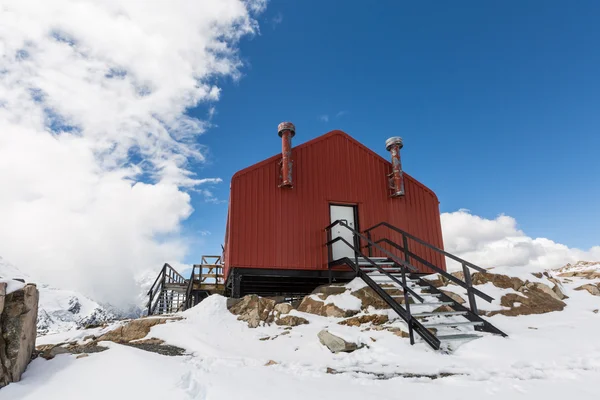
(466, 336)
(441, 313)
(430, 294)
(439, 303)
(450, 324)
(384, 268)
(389, 279)
(365, 262)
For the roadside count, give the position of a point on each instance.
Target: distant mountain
(61, 310)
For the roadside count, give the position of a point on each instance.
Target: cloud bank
(95, 142)
(498, 243)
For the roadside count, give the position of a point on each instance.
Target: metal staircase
(433, 315)
(171, 292)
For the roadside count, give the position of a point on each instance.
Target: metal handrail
(366, 239)
(430, 246)
(467, 284)
(159, 284)
(438, 270)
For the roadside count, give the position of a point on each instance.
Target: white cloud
(324, 118)
(341, 113)
(94, 137)
(498, 243)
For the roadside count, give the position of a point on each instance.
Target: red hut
(279, 208)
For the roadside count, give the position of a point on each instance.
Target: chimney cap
(392, 141)
(286, 126)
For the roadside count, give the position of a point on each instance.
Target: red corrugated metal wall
(278, 228)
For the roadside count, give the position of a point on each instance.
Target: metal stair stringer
(413, 324)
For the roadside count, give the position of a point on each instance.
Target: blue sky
(497, 104)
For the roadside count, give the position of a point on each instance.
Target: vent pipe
(286, 131)
(393, 145)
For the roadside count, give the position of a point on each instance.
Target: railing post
(369, 247)
(150, 302)
(356, 250)
(405, 245)
(329, 255)
(407, 305)
(470, 294)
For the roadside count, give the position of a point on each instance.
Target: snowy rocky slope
(275, 351)
(60, 310)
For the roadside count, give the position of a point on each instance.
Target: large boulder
(336, 344)
(18, 315)
(254, 310)
(534, 298)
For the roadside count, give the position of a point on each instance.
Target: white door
(341, 249)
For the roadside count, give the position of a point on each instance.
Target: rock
(591, 273)
(283, 308)
(18, 316)
(458, 274)
(557, 288)
(133, 330)
(375, 319)
(595, 311)
(537, 298)
(325, 291)
(561, 296)
(369, 298)
(3, 286)
(498, 280)
(399, 332)
(82, 355)
(232, 302)
(537, 274)
(254, 310)
(335, 343)
(444, 309)
(544, 288)
(50, 351)
(317, 307)
(438, 282)
(271, 362)
(456, 297)
(594, 290)
(291, 320)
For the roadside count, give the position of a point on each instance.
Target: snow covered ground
(548, 356)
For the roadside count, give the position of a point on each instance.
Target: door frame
(356, 221)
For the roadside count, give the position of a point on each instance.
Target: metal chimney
(393, 145)
(286, 131)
